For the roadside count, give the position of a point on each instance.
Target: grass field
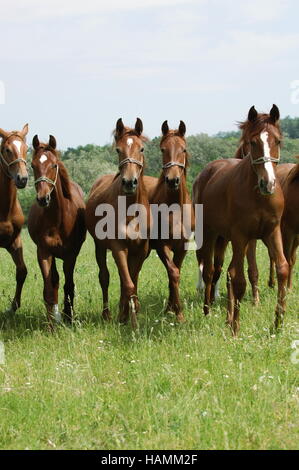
(169, 386)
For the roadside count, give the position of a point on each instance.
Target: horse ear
(35, 142)
(3, 134)
(52, 142)
(182, 129)
(24, 131)
(252, 115)
(119, 129)
(165, 128)
(138, 126)
(274, 114)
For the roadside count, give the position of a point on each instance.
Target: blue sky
(72, 68)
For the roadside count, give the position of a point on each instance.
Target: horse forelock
(128, 132)
(45, 148)
(263, 122)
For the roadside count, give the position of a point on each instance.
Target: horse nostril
(177, 181)
(135, 182)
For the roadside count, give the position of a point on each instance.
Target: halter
(260, 160)
(173, 163)
(17, 160)
(48, 180)
(130, 160)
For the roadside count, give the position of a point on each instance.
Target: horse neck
(8, 194)
(57, 208)
(241, 151)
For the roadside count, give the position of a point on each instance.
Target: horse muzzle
(266, 188)
(173, 183)
(129, 186)
(20, 181)
(44, 201)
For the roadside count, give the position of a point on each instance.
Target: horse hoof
(106, 315)
(12, 309)
(180, 318)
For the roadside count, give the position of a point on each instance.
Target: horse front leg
(135, 264)
(16, 252)
(104, 279)
(236, 284)
(173, 271)
(253, 273)
(126, 304)
(275, 247)
(45, 263)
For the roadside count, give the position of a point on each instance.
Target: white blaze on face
(18, 145)
(130, 142)
(43, 158)
(268, 165)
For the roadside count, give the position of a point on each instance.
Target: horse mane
(65, 180)
(64, 176)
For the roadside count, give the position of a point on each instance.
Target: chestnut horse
(170, 189)
(242, 201)
(56, 224)
(13, 174)
(288, 175)
(129, 248)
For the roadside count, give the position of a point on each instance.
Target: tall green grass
(169, 386)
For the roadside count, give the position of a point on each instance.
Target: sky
(72, 68)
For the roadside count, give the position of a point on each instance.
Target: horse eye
(118, 151)
(54, 165)
(142, 150)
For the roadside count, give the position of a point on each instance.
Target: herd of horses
(245, 198)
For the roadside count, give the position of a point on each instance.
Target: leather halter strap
(130, 160)
(173, 163)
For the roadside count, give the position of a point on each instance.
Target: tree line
(86, 163)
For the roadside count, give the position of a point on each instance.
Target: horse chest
(53, 239)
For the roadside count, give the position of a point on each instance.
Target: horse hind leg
(69, 288)
(274, 244)
(16, 252)
(219, 255)
(104, 279)
(236, 285)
